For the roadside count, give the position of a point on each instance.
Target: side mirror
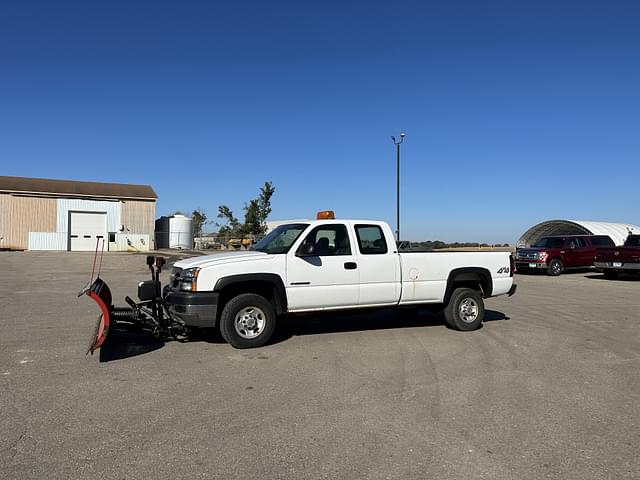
(151, 260)
(306, 250)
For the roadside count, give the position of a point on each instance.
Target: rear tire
(610, 274)
(555, 267)
(465, 310)
(247, 321)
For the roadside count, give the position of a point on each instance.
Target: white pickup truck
(328, 264)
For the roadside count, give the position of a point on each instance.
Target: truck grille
(527, 256)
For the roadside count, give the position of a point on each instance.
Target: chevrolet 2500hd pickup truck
(614, 260)
(329, 264)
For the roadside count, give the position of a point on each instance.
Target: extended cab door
(379, 266)
(327, 278)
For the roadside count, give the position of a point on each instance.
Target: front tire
(555, 267)
(465, 310)
(247, 321)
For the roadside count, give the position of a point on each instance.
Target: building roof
(617, 231)
(72, 188)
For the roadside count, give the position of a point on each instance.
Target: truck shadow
(121, 344)
(360, 322)
(623, 277)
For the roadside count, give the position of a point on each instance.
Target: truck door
(327, 278)
(585, 252)
(379, 267)
(570, 253)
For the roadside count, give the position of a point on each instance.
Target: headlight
(188, 279)
(543, 256)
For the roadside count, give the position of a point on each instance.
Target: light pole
(397, 144)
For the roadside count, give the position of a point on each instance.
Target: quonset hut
(617, 231)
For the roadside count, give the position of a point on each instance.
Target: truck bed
(425, 274)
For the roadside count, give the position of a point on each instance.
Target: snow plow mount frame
(150, 314)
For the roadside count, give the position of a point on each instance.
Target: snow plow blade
(99, 292)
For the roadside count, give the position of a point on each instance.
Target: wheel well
(263, 288)
(475, 278)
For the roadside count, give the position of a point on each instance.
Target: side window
(571, 243)
(329, 240)
(581, 242)
(371, 240)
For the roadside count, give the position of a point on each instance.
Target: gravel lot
(549, 388)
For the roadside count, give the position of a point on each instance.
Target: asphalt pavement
(547, 388)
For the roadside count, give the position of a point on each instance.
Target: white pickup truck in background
(329, 264)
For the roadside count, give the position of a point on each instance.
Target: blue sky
(515, 112)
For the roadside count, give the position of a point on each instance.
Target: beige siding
(21, 215)
(5, 202)
(139, 217)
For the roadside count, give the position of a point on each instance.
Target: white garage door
(85, 228)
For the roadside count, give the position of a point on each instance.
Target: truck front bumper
(196, 309)
(522, 266)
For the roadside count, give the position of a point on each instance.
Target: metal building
(43, 214)
(617, 231)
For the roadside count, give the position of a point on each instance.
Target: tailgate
(618, 254)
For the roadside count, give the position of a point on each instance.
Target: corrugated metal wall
(132, 242)
(139, 217)
(21, 215)
(112, 210)
(48, 240)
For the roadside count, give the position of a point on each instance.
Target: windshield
(280, 239)
(550, 242)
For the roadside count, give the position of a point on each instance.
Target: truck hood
(220, 258)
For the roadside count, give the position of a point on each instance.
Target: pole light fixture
(397, 144)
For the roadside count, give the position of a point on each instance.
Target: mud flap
(100, 293)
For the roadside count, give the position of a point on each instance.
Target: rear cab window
(371, 240)
(602, 242)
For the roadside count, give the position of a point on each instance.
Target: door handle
(350, 265)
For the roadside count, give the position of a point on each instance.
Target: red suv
(555, 254)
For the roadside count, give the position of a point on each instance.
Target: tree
(198, 219)
(256, 212)
(232, 225)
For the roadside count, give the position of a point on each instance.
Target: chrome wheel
(468, 310)
(556, 268)
(250, 322)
